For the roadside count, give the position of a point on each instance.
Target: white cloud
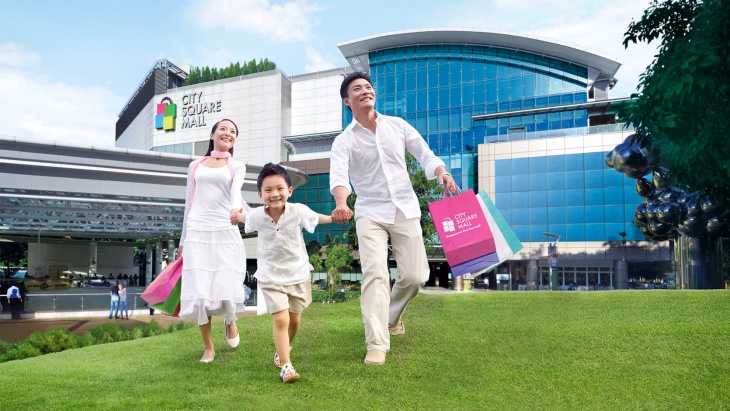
(586, 24)
(287, 21)
(15, 55)
(317, 62)
(33, 107)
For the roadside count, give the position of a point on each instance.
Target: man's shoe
(288, 374)
(375, 357)
(398, 329)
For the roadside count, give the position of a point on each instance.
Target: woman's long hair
(215, 126)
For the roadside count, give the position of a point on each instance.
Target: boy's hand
(236, 215)
(341, 215)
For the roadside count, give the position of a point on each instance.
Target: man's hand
(341, 214)
(446, 179)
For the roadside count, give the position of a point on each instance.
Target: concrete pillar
(158, 258)
(621, 274)
(533, 275)
(93, 255)
(171, 251)
(148, 265)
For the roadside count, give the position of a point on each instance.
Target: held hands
(341, 214)
(237, 216)
(448, 181)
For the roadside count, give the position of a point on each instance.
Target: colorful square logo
(166, 115)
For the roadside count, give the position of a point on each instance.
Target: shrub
(20, 351)
(148, 330)
(182, 325)
(53, 341)
(109, 333)
(337, 296)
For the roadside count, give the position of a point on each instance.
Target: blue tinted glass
(519, 166)
(522, 232)
(575, 197)
(594, 196)
(466, 71)
(520, 199)
(575, 179)
(433, 120)
(503, 89)
(614, 214)
(537, 164)
(612, 178)
(538, 199)
(633, 233)
(595, 232)
(536, 232)
(559, 229)
(575, 215)
(479, 92)
(538, 216)
(520, 216)
(576, 232)
(538, 181)
(503, 201)
(556, 198)
(421, 78)
(520, 182)
(594, 178)
(612, 231)
(594, 214)
(556, 181)
(613, 195)
(491, 90)
(556, 215)
(594, 161)
(556, 164)
(515, 87)
(491, 71)
(502, 167)
(574, 162)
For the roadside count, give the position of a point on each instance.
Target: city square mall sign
(194, 109)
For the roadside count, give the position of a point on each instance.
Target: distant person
(211, 248)
(123, 300)
(135, 278)
(114, 309)
(284, 272)
(15, 300)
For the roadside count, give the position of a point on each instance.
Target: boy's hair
(350, 78)
(271, 169)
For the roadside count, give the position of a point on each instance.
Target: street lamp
(552, 259)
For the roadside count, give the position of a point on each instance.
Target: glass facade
(437, 89)
(182, 148)
(574, 196)
(316, 195)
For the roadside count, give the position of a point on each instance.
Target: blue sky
(68, 67)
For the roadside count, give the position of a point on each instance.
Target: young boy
(283, 272)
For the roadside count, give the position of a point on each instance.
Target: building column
(533, 273)
(171, 251)
(148, 264)
(158, 258)
(621, 271)
(93, 254)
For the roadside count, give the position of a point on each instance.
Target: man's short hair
(350, 78)
(271, 169)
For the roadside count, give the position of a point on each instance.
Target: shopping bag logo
(448, 225)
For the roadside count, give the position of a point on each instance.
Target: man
(15, 301)
(370, 154)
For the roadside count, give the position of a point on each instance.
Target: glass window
(466, 71)
(613, 195)
(536, 232)
(538, 181)
(479, 92)
(522, 232)
(479, 71)
(574, 162)
(467, 122)
(491, 71)
(410, 77)
(515, 87)
(612, 178)
(575, 197)
(555, 181)
(538, 164)
(594, 196)
(538, 199)
(520, 216)
(556, 215)
(556, 164)
(455, 91)
(575, 179)
(422, 99)
(503, 202)
(519, 166)
(421, 122)
(594, 161)
(503, 184)
(503, 89)
(575, 215)
(614, 214)
(576, 232)
(455, 71)
(594, 214)
(595, 232)
(455, 118)
(467, 94)
(433, 120)
(502, 70)
(556, 198)
(538, 216)
(443, 73)
(502, 168)
(594, 178)
(520, 182)
(443, 97)
(528, 85)
(491, 90)
(444, 121)
(422, 75)
(519, 199)
(433, 76)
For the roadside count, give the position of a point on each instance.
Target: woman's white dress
(214, 258)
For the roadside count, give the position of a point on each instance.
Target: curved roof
(356, 51)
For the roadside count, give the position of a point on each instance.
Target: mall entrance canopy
(53, 190)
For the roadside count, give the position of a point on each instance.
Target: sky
(67, 68)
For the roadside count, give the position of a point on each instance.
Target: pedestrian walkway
(80, 323)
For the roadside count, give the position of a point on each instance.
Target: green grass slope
(621, 350)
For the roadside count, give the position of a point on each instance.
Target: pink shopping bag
(160, 289)
(462, 228)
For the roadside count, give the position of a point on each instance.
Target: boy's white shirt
(282, 254)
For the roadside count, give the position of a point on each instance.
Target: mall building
(525, 119)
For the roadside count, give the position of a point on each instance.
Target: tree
(426, 191)
(339, 257)
(12, 254)
(681, 104)
(205, 74)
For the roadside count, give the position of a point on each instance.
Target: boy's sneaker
(288, 373)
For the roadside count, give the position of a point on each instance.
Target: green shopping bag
(171, 305)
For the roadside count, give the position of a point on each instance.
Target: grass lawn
(618, 350)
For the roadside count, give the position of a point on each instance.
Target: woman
(114, 309)
(123, 300)
(212, 249)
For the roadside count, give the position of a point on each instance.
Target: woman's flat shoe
(207, 360)
(233, 342)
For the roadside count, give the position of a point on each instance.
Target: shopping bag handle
(448, 194)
